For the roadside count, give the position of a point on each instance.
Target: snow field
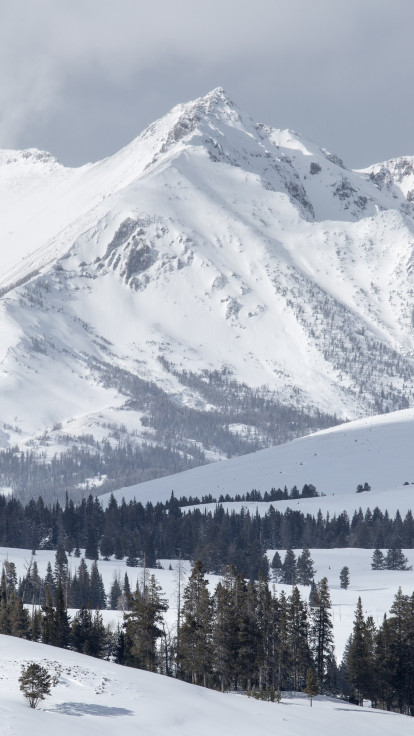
(97, 698)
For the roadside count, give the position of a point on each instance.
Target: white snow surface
(215, 243)
(376, 450)
(97, 698)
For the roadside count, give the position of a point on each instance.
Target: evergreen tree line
(275, 494)
(83, 588)
(49, 622)
(378, 662)
(218, 537)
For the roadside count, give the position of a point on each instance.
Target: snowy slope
(214, 244)
(96, 697)
(377, 450)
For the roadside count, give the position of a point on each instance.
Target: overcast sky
(81, 78)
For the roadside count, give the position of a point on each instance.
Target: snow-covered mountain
(223, 262)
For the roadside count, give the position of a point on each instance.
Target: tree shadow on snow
(90, 709)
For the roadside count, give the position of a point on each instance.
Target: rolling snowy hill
(377, 450)
(193, 288)
(96, 697)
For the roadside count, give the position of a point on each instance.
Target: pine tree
(396, 560)
(126, 590)
(61, 565)
(97, 595)
(144, 626)
(297, 631)
(19, 619)
(81, 633)
(115, 594)
(321, 631)
(378, 560)
(49, 583)
(344, 577)
(282, 664)
(289, 568)
(35, 683)
(360, 655)
(195, 634)
(48, 618)
(61, 627)
(311, 687)
(276, 567)
(225, 633)
(304, 568)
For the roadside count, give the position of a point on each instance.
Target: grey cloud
(83, 78)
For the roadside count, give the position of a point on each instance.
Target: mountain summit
(212, 280)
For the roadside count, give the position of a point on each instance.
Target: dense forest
(166, 531)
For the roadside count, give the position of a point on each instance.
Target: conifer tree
(344, 577)
(61, 625)
(35, 683)
(19, 619)
(281, 635)
(195, 634)
(81, 632)
(289, 568)
(225, 634)
(311, 687)
(360, 656)
(304, 569)
(297, 631)
(396, 560)
(48, 618)
(378, 560)
(321, 635)
(49, 583)
(61, 566)
(97, 595)
(115, 594)
(276, 567)
(143, 625)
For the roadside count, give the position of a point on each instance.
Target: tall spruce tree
(143, 625)
(297, 631)
(344, 577)
(360, 656)
(321, 632)
(225, 634)
(289, 568)
(305, 571)
(195, 634)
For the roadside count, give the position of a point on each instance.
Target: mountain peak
(216, 104)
